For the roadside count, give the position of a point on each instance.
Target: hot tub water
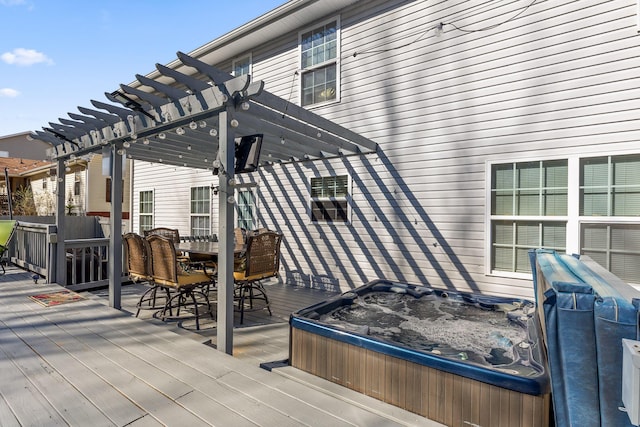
(492, 335)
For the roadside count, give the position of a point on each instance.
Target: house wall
(558, 80)
(44, 194)
(20, 147)
(171, 188)
(96, 195)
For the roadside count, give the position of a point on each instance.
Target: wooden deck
(84, 363)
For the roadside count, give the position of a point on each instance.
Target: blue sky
(58, 55)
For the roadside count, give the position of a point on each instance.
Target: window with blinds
(610, 186)
(200, 211)
(329, 199)
(616, 247)
(610, 191)
(528, 206)
(145, 211)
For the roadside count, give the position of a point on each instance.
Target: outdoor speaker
(248, 153)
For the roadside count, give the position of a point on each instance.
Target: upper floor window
(319, 52)
(330, 199)
(242, 66)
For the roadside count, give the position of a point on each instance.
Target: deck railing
(34, 247)
(30, 248)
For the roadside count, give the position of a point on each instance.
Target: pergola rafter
(191, 122)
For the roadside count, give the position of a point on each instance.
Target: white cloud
(25, 57)
(8, 93)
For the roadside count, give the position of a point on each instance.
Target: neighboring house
(22, 146)
(85, 187)
(502, 126)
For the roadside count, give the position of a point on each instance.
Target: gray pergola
(183, 116)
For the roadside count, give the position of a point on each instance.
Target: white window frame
(318, 66)
(490, 218)
(348, 199)
(573, 219)
(253, 189)
(193, 215)
(153, 208)
(248, 57)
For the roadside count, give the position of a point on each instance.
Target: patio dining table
(205, 248)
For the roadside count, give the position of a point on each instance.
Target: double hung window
(330, 198)
(610, 210)
(200, 211)
(319, 51)
(531, 208)
(528, 211)
(145, 211)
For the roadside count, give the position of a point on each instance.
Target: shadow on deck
(261, 337)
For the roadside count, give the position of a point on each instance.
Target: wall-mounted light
(245, 106)
(126, 144)
(193, 126)
(146, 141)
(162, 135)
(234, 123)
(180, 131)
(213, 132)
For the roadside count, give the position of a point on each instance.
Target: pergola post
(224, 331)
(61, 252)
(115, 231)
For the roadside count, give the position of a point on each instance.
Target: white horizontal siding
(556, 81)
(171, 187)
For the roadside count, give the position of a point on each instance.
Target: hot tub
(459, 359)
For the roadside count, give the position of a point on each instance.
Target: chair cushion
(192, 278)
(240, 276)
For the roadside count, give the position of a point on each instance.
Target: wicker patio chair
(261, 260)
(171, 233)
(239, 236)
(136, 250)
(7, 230)
(168, 273)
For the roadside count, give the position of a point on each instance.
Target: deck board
(87, 364)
